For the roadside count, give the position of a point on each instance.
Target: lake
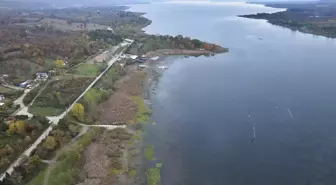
(276, 84)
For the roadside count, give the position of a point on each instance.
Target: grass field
(58, 95)
(87, 69)
(6, 90)
(45, 111)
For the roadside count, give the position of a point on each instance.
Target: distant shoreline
(311, 18)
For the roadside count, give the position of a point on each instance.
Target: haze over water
(284, 80)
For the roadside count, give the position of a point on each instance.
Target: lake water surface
(279, 82)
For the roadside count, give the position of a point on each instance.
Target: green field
(6, 90)
(87, 69)
(59, 95)
(10, 93)
(45, 111)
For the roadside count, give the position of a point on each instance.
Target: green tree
(34, 160)
(3, 126)
(78, 112)
(50, 143)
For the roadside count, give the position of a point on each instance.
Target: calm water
(284, 80)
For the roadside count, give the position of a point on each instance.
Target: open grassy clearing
(88, 69)
(10, 93)
(58, 95)
(45, 111)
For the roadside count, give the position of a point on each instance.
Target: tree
(27, 139)
(50, 143)
(16, 127)
(11, 128)
(20, 127)
(3, 126)
(34, 160)
(59, 63)
(78, 112)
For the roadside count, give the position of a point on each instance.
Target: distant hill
(60, 3)
(23, 4)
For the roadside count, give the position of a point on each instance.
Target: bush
(50, 143)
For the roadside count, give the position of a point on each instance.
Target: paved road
(55, 119)
(23, 110)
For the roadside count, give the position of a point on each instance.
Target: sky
(101, 2)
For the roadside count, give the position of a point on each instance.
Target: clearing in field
(58, 95)
(88, 69)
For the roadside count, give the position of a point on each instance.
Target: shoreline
(139, 101)
(300, 17)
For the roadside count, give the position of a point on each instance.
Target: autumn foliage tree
(78, 112)
(59, 63)
(17, 127)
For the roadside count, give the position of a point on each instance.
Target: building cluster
(29, 83)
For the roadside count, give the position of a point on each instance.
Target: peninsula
(318, 18)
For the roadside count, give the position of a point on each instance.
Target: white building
(42, 76)
(129, 41)
(2, 97)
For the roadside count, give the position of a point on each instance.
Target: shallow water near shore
(274, 80)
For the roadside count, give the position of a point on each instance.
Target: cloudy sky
(100, 2)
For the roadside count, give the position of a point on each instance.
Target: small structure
(109, 29)
(163, 67)
(2, 97)
(128, 56)
(129, 41)
(155, 58)
(142, 66)
(42, 76)
(24, 84)
(1, 104)
(141, 59)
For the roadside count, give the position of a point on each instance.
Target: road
(54, 120)
(23, 110)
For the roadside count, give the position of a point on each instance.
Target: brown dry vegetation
(108, 159)
(120, 107)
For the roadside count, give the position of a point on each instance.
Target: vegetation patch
(10, 93)
(132, 173)
(149, 152)
(58, 95)
(106, 35)
(17, 136)
(31, 95)
(88, 69)
(45, 111)
(147, 43)
(99, 93)
(153, 175)
(65, 168)
(143, 112)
